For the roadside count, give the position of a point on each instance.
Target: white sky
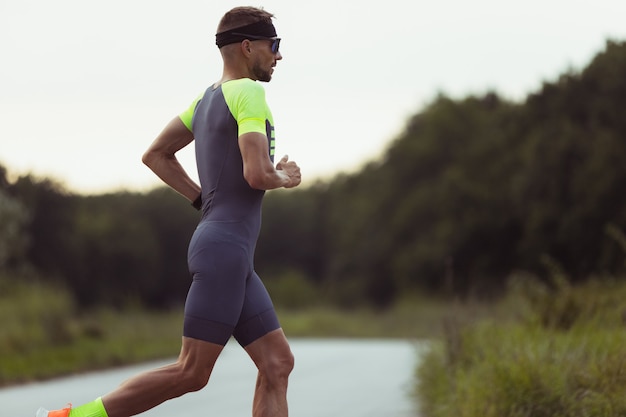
(85, 86)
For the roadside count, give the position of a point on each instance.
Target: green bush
(535, 367)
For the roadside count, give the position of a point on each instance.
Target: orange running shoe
(42, 412)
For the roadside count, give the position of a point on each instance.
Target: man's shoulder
(243, 93)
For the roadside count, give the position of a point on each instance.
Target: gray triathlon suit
(227, 297)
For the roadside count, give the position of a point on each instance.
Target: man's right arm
(258, 169)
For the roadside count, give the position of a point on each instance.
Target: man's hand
(291, 169)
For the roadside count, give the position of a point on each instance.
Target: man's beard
(261, 74)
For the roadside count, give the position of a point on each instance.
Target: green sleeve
(246, 101)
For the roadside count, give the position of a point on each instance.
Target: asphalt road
(347, 378)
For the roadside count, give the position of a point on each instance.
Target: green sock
(92, 409)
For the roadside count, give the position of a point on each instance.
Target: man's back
(219, 118)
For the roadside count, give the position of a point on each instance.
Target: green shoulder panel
(245, 99)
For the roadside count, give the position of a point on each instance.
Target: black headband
(260, 28)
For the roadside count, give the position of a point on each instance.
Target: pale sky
(85, 86)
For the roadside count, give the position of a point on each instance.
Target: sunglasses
(275, 41)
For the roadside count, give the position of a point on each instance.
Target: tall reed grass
(564, 356)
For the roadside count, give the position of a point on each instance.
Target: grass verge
(43, 334)
(565, 356)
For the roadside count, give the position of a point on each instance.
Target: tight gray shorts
(226, 297)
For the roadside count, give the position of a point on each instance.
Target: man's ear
(245, 47)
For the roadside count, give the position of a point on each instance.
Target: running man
(234, 140)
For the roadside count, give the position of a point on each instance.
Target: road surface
(332, 378)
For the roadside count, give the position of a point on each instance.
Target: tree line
(472, 191)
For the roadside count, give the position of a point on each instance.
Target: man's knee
(195, 364)
(278, 366)
(192, 379)
(285, 363)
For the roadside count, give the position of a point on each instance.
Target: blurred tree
(50, 225)
(472, 190)
(292, 232)
(573, 174)
(13, 240)
(134, 248)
